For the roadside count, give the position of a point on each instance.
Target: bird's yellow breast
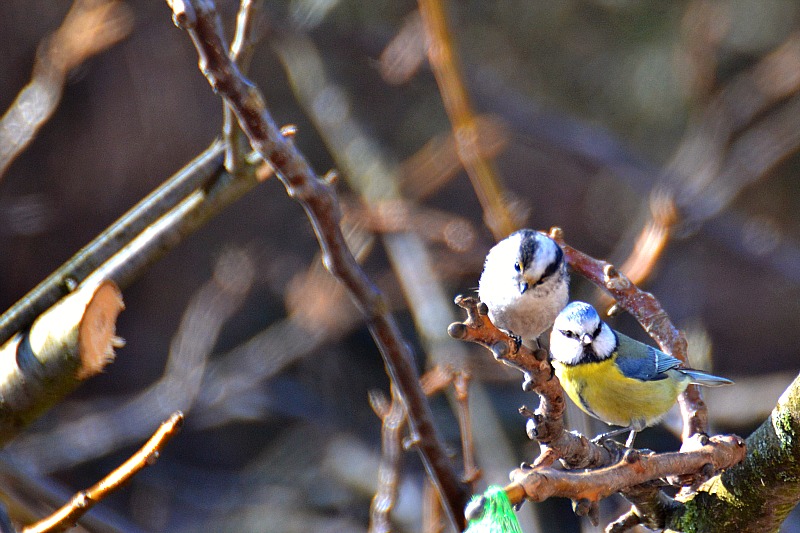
(601, 390)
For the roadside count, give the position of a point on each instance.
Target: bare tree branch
(67, 344)
(80, 504)
(241, 51)
(393, 420)
(90, 27)
(758, 493)
(538, 484)
(442, 56)
(320, 203)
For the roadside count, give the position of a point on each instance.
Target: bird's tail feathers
(699, 377)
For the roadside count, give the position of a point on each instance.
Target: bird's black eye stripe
(553, 267)
(597, 331)
(569, 334)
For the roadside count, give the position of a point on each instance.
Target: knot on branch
(588, 508)
(479, 329)
(614, 280)
(183, 14)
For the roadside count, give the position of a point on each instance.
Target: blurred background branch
(90, 27)
(444, 62)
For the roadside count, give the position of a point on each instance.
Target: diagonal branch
(317, 197)
(89, 28)
(204, 171)
(444, 63)
(65, 518)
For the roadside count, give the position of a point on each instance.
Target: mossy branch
(757, 494)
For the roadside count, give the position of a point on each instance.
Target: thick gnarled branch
(318, 199)
(758, 493)
(634, 469)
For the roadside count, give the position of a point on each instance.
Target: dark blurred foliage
(594, 98)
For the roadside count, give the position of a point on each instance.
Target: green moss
(757, 494)
(784, 424)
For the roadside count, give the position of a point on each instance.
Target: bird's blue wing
(640, 361)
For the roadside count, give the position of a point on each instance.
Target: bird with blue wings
(614, 378)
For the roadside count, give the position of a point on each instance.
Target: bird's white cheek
(605, 343)
(564, 350)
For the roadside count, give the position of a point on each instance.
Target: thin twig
(443, 60)
(32, 496)
(393, 418)
(405, 53)
(80, 504)
(241, 51)
(437, 162)
(401, 216)
(317, 197)
(431, 509)
(461, 384)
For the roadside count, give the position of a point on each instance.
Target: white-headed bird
(524, 283)
(614, 378)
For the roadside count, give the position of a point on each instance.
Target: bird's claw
(516, 342)
(527, 382)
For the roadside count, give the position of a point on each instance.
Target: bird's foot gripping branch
(596, 470)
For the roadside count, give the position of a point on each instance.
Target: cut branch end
(96, 335)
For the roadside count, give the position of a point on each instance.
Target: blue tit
(614, 378)
(524, 284)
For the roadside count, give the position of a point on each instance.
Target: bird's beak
(523, 286)
(586, 340)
